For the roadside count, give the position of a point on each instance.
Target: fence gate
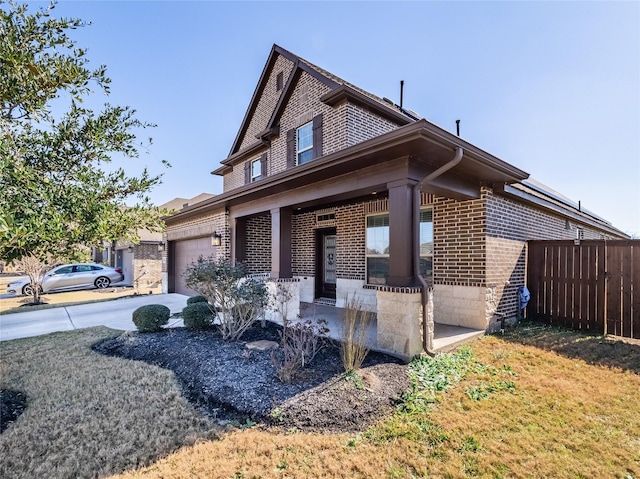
(587, 286)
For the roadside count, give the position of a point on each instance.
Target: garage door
(186, 252)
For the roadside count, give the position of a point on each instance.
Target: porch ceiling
(412, 152)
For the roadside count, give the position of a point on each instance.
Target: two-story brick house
(337, 192)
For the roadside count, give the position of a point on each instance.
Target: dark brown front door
(326, 263)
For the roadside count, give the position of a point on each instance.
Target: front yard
(537, 402)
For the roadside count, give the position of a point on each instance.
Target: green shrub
(196, 299)
(240, 300)
(151, 317)
(197, 316)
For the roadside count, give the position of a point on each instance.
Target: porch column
(239, 240)
(280, 243)
(401, 233)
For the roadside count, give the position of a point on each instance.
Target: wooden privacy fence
(592, 286)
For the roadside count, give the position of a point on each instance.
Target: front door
(326, 264)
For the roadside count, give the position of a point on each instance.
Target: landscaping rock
(261, 345)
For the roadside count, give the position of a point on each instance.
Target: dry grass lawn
(536, 403)
(89, 415)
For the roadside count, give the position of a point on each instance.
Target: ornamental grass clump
(151, 318)
(236, 300)
(355, 334)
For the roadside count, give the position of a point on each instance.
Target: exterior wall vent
(279, 81)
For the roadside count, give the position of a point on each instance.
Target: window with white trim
(256, 170)
(304, 143)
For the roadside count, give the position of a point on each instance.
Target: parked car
(70, 276)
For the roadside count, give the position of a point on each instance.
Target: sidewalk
(114, 314)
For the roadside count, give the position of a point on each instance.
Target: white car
(70, 276)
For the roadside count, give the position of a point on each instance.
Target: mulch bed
(229, 382)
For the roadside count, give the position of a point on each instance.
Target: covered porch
(446, 337)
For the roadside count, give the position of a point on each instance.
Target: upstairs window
(256, 170)
(304, 144)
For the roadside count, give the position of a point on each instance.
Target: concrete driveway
(114, 314)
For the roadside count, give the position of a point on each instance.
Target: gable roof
(341, 90)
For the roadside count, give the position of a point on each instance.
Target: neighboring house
(336, 192)
(142, 262)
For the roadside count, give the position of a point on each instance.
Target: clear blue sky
(550, 87)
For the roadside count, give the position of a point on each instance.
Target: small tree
(300, 341)
(235, 299)
(36, 267)
(56, 194)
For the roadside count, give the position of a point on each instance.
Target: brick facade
(267, 101)
(258, 243)
(343, 125)
(479, 248)
(459, 241)
(147, 267)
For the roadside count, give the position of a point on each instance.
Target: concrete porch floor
(446, 337)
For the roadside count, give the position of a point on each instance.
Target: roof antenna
(458, 127)
(401, 92)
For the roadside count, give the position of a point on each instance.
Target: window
(426, 245)
(64, 270)
(377, 245)
(279, 81)
(256, 170)
(304, 143)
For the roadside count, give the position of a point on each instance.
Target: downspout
(427, 334)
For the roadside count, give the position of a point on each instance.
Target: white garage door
(186, 252)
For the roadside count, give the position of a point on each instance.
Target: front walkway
(446, 337)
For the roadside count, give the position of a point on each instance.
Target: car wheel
(27, 290)
(102, 282)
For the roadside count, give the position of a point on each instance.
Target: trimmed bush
(151, 317)
(196, 299)
(197, 316)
